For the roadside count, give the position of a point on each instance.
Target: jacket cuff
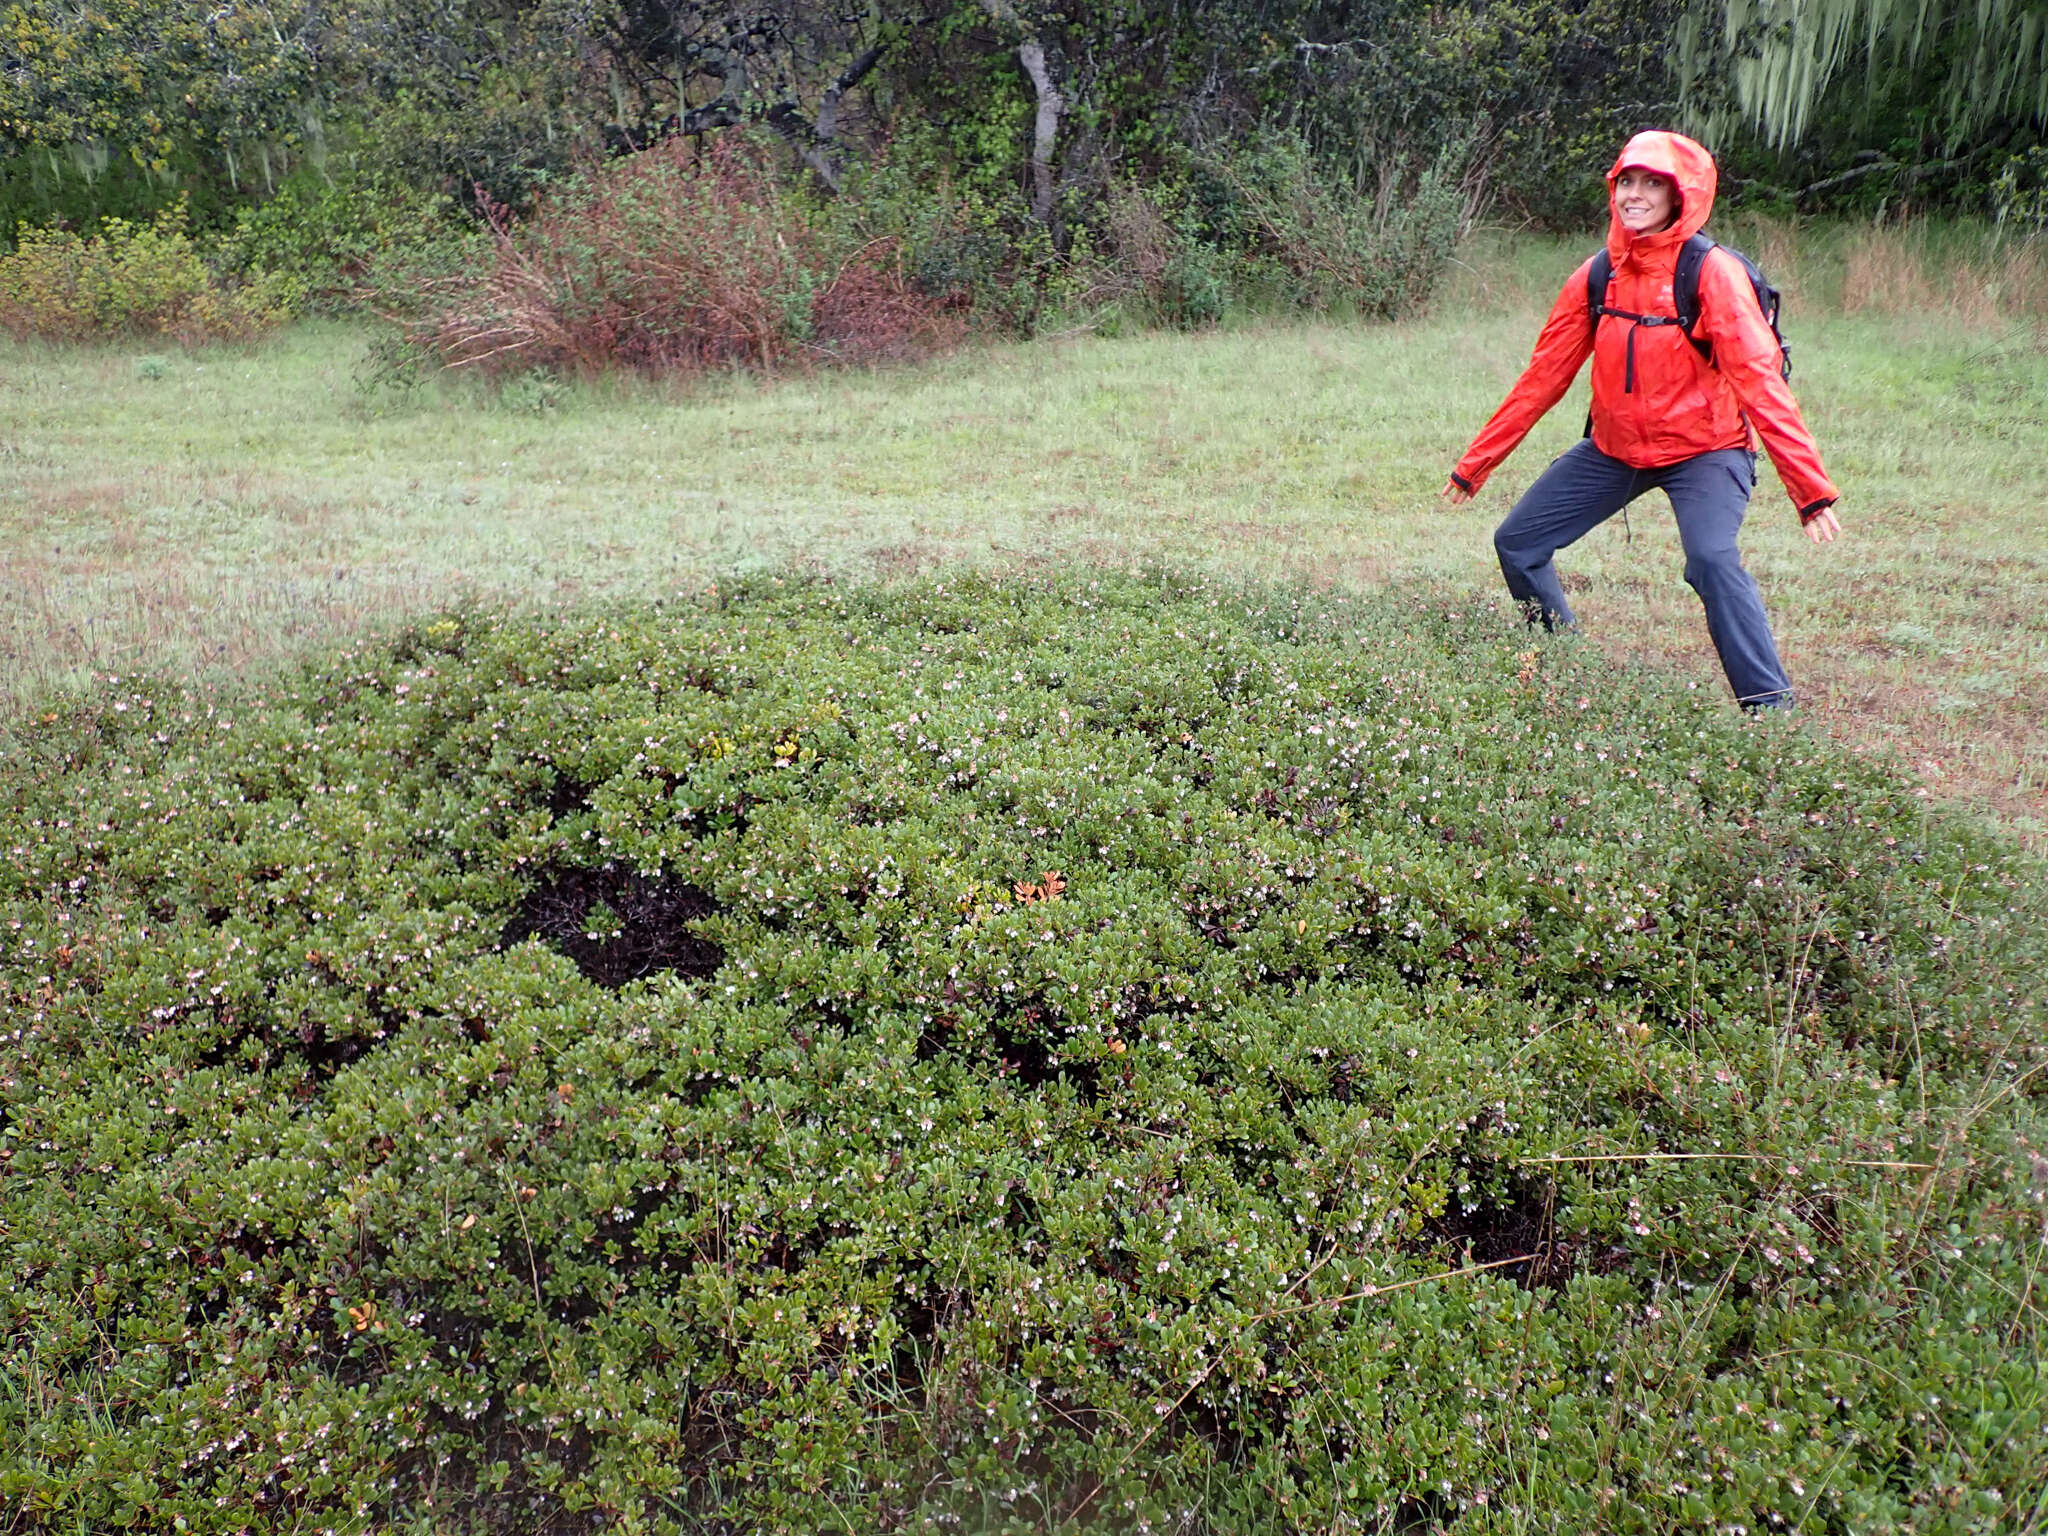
(1814, 509)
(1462, 483)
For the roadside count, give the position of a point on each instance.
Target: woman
(1663, 417)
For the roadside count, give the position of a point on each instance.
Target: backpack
(1685, 292)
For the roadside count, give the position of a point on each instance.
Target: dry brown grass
(1138, 246)
(1902, 272)
(1961, 275)
(1864, 693)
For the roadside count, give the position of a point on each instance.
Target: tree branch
(849, 77)
(723, 111)
(810, 140)
(796, 131)
(1855, 173)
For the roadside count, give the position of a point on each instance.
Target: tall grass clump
(679, 259)
(1942, 268)
(1107, 1056)
(1322, 242)
(130, 279)
(962, 240)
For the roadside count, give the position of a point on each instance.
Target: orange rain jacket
(1680, 405)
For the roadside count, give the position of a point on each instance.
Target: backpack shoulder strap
(1598, 275)
(1597, 278)
(1685, 291)
(1685, 286)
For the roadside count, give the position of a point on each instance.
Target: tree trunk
(1031, 54)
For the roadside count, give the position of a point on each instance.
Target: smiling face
(1645, 201)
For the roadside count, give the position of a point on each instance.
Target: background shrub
(347, 240)
(127, 279)
(1103, 1056)
(1325, 243)
(119, 109)
(1147, 255)
(672, 258)
(965, 243)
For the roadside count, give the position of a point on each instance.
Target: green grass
(214, 510)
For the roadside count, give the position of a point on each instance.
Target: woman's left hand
(1823, 526)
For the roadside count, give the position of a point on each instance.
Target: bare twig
(1693, 1157)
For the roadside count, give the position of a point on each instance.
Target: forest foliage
(316, 141)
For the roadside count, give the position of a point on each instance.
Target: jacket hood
(1685, 162)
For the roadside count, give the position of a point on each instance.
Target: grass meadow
(209, 511)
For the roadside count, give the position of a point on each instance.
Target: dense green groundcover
(1085, 1055)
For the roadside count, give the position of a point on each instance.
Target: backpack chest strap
(1635, 322)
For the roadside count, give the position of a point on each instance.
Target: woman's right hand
(1455, 493)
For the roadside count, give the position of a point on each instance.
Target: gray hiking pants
(1709, 494)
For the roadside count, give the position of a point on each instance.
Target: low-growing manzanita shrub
(1017, 1057)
